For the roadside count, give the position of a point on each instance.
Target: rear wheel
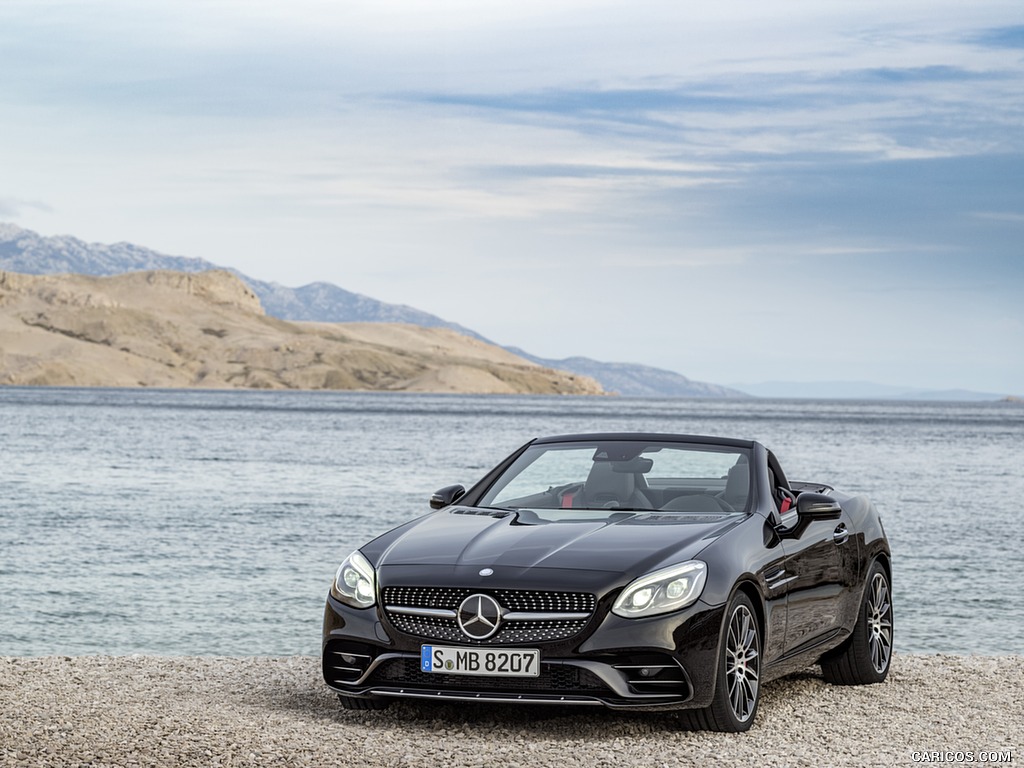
(363, 702)
(865, 656)
(738, 689)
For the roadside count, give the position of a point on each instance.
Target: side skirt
(805, 656)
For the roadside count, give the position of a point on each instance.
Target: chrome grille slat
(435, 613)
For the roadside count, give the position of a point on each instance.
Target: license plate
(489, 662)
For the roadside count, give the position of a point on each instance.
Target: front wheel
(738, 688)
(865, 656)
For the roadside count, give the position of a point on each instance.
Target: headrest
(737, 486)
(605, 479)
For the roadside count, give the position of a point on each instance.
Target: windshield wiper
(606, 510)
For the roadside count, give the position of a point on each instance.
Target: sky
(742, 192)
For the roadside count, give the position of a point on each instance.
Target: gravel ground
(153, 711)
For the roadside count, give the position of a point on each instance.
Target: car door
(816, 574)
(815, 580)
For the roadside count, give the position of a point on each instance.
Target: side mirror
(817, 506)
(811, 507)
(447, 496)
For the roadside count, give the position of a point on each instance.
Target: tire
(363, 702)
(738, 687)
(864, 658)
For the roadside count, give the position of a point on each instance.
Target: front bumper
(662, 662)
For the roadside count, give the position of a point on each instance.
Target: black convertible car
(634, 571)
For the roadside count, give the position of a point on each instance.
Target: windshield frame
(620, 451)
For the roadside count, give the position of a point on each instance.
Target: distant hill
(207, 329)
(860, 390)
(635, 380)
(27, 252)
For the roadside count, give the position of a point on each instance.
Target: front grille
(536, 629)
(553, 678)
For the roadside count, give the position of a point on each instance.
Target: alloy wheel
(742, 663)
(879, 615)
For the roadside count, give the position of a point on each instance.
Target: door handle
(840, 534)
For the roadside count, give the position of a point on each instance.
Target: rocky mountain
(208, 329)
(24, 251)
(27, 252)
(633, 379)
(327, 303)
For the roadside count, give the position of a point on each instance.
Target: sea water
(211, 522)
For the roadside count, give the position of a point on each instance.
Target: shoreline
(221, 711)
(995, 400)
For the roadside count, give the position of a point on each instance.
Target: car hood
(623, 543)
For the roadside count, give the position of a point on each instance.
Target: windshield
(625, 475)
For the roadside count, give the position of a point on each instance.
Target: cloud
(13, 207)
(1001, 37)
(1002, 216)
(752, 116)
(653, 152)
(917, 75)
(618, 104)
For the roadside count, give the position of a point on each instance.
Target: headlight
(662, 591)
(355, 583)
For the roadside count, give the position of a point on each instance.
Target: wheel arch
(883, 558)
(749, 588)
(716, 715)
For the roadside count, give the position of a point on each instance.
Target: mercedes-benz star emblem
(479, 616)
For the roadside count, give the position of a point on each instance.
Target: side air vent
(653, 674)
(346, 662)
